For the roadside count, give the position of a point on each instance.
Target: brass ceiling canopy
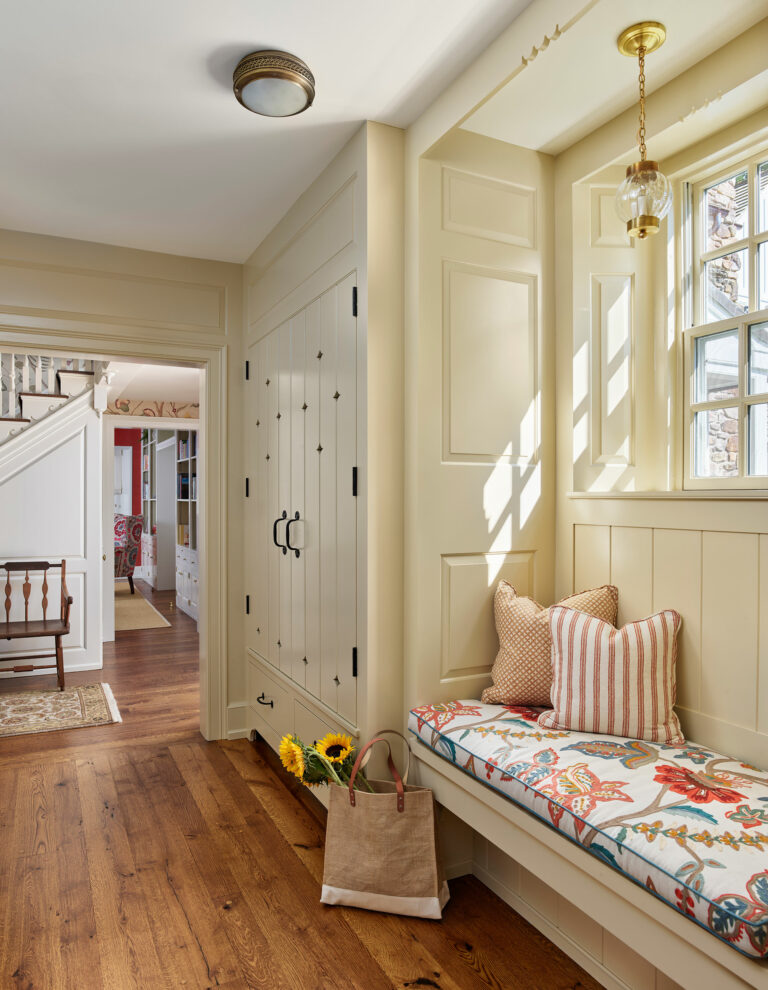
(273, 83)
(649, 35)
(644, 197)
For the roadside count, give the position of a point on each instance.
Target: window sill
(693, 495)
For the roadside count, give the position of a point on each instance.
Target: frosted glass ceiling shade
(274, 84)
(643, 198)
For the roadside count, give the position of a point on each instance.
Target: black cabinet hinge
(354, 661)
(247, 487)
(247, 604)
(247, 371)
(354, 481)
(354, 300)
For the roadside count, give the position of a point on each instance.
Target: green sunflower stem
(329, 767)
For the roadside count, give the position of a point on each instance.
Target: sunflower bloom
(292, 756)
(335, 747)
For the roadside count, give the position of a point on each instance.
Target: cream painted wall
(77, 297)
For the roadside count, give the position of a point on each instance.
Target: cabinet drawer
(261, 685)
(308, 726)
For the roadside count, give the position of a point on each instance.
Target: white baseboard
(237, 727)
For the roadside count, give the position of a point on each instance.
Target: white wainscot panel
(104, 297)
(612, 372)
(469, 641)
(605, 228)
(42, 507)
(489, 366)
(489, 208)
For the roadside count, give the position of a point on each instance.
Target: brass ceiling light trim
(273, 83)
(644, 197)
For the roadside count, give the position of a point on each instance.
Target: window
(727, 349)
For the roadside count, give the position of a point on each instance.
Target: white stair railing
(32, 373)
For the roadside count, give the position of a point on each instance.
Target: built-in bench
(617, 826)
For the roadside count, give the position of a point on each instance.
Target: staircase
(33, 387)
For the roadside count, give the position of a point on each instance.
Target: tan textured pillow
(522, 671)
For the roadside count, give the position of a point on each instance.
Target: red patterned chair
(128, 531)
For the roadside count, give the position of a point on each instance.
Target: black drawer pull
(262, 700)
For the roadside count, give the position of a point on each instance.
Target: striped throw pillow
(620, 682)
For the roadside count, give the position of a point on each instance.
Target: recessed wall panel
(612, 369)
(469, 640)
(606, 229)
(489, 366)
(489, 208)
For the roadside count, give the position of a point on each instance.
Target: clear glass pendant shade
(643, 198)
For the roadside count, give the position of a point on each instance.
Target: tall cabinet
(323, 459)
(186, 488)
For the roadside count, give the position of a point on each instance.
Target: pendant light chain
(641, 81)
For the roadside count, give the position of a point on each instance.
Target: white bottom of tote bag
(417, 907)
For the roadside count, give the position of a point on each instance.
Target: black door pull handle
(275, 524)
(262, 700)
(288, 533)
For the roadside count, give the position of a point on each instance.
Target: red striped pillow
(620, 682)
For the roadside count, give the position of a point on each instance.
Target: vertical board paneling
(762, 675)
(677, 585)
(729, 627)
(346, 504)
(284, 490)
(297, 564)
(591, 556)
(632, 571)
(327, 360)
(271, 460)
(312, 499)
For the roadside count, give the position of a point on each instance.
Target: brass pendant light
(644, 197)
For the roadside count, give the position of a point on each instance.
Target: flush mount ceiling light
(273, 83)
(644, 197)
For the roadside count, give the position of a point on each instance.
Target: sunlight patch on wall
(497, 491)
(530, 495)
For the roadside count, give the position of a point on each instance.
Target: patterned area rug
(45, 711)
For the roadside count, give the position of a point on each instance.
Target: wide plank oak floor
(140, 856)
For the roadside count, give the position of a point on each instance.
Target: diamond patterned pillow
(522, 671)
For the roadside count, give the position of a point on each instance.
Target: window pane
(716, 367)
(716, 443)
(762, 197)
(758, 439)
(762, 276)
(726, 207)
(758, 358)
(726, 290)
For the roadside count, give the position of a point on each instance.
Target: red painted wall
(132, 439)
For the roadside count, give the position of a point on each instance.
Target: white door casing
(123, 475)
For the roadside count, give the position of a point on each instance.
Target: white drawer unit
(187, 582)
(270, 704)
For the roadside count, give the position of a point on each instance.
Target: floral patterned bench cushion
(689, 825)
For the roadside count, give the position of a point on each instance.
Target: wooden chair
(36, 628)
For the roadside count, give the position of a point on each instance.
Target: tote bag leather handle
(392, 732)
(392, 769)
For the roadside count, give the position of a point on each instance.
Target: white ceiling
(118, 123)
(153, 381)
(582, 81)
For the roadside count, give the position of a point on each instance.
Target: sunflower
(292, 756)
(334, 747)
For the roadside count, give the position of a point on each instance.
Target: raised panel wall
(718, 582)
(489, 369)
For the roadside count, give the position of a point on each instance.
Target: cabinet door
(257, 519)
(271, 459)
(296, 509)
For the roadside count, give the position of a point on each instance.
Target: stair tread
(45, 395)
(70, 371)
(13, 419)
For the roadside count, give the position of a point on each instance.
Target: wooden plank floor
(138, 855)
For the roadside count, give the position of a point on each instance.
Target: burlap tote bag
(381, 847)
